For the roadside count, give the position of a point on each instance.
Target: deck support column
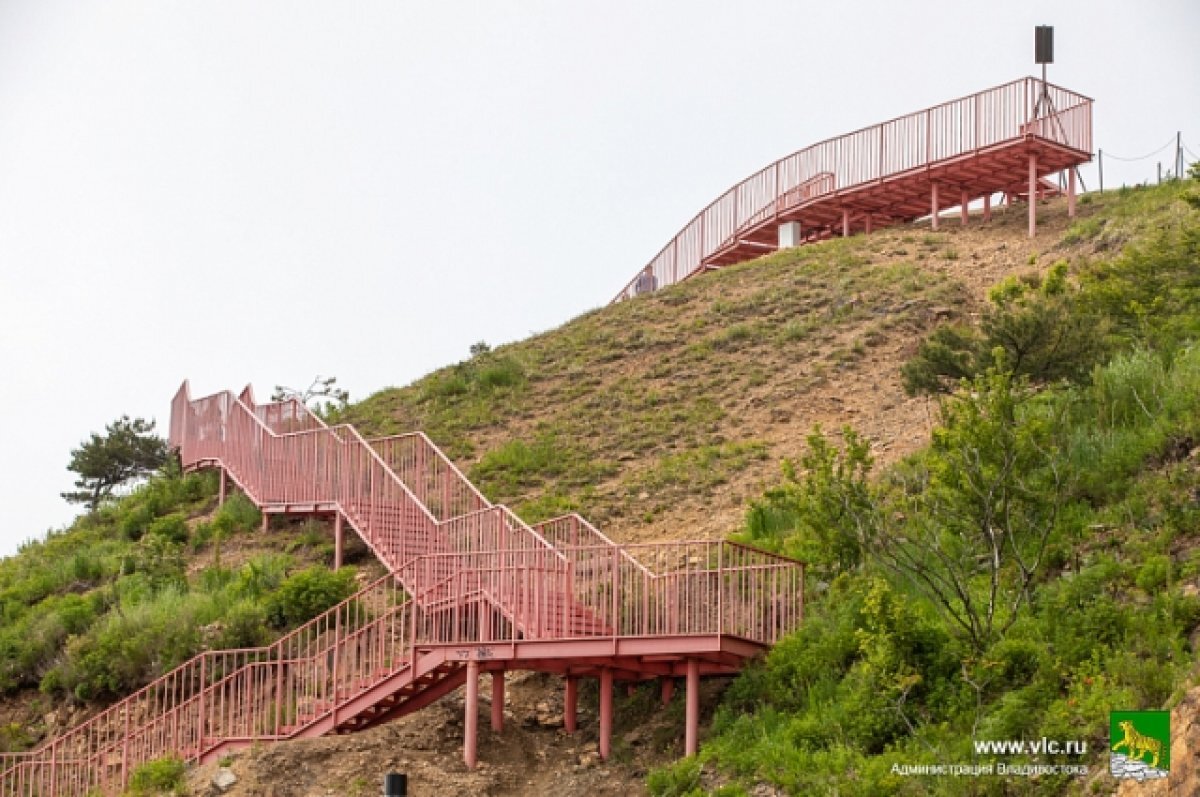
(471, 715)
(987, 207)
(965, 206)
(692, 732)
(845, 223)
(221, 489)
(1071, 193)
(789, 234)
(1033, 194)
(339, 539)
(667, 688)
(266, 522)
(868, 224)
(606, 702)
(570, 704)
(498, 700)
(934, 207)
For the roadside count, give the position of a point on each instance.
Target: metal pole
(200, 705)
(692, 720)
(339, 535)
(720, 588)
(471, 718)
(1071, 193)
(570, 704)
(337, 656)
(1032, 194)
(497, 700)
(606, 689)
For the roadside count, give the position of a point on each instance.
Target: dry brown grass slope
(657, 418)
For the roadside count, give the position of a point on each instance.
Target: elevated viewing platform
(1003, 140)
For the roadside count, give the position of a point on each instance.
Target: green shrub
(126, 650)
(499, 372)
(172, 527)
(1154, 572)
(163, 776)
(1042, 327)
(304, 595)
(135, 521)
(679, 780)
(237, 514)
(244, 626)
(1015, 663)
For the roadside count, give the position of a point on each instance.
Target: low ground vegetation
(1035, 567)
(139, 586)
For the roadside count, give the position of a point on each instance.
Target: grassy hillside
(127, 593)
(659, 418)
(1032, 569)
(669, 416)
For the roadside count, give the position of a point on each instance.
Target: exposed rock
(224, 780)
(589, 759)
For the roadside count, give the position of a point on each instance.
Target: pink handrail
(481, 575)
(907, 143)
(161, 704)
(338, 467)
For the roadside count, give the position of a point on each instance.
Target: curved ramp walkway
(1002, 140)
(471, 589)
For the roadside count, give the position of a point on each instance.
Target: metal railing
(916, 141)
(464, 573)
(644, 590)
(336, 468)
(221, 696)
(429, 474)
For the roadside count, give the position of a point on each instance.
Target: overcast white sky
(255, 191)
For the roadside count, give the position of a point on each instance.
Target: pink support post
(868, 223)
(606, 690)
(934, 204)
(1033, 193)
(1071, 193)
(987, 207)
(471, 717)
(339, 536)
(266, 522)
(845, 223)
(221, 489)
(965, 207)
(570, 704)
(692, 732)
(668, 689)
(497, 700)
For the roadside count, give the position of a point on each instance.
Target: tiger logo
(1137, 744)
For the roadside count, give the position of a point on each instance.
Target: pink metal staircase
(471, 589)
